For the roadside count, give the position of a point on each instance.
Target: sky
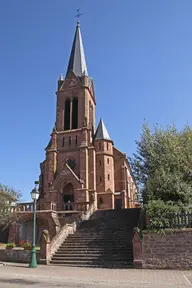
(138, 52)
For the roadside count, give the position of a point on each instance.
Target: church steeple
(77, 62)
(101, 133)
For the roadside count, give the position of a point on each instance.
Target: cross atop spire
(77, 62)
(78, 15)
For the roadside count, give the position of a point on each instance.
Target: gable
(66, 176)
(71, 81)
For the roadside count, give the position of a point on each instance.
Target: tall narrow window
(107, 146)
(90, 115)
(107, 160)
(100, 163)
(100, 200)
(76, 140)
(108, 177)
(75, 113)
(99, 146)
(63, 141)
(100, 179)
(67, 115)
(69, 141)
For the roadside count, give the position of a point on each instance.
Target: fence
(169, 220)
(180, 220)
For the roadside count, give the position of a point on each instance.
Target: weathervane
(78, 15)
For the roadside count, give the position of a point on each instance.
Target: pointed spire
(77, 62)
(101, 133)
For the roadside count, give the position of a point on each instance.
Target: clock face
(71, 163)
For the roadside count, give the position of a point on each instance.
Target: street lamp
(35, 197)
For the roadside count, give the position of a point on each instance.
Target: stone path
(18, 275)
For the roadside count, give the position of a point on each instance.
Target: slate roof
(101, 132)
(77, 62)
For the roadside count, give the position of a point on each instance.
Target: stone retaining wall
(16, 255)
(172, 250)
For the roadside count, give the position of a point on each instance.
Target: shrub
(10, 245)
(160, 213)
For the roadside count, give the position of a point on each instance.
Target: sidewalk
(114, 277)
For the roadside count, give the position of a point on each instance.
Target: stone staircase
(105, 240)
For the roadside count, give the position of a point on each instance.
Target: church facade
(82, 165)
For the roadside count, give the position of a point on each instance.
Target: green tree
(162, 165)
(8, 199)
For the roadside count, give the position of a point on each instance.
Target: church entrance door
(68, 197)
(118, 204)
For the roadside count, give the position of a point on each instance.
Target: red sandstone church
(82, 166)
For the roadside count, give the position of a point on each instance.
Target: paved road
(14, 276)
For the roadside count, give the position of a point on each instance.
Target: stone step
(96, 241)
(89, 246)
(100, 235)
(95, 248)
(94, 251)
(114, 238)
(103, 243)
(93, 256)
(106, 231)
(90, 263)
(106, 265)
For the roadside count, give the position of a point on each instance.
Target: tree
(162, 165)
(8, 198)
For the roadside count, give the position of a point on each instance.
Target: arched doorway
(68, 197)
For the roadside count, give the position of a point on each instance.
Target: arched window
(107, 146)
(67, 115)
(75, 113)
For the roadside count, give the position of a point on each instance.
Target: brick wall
(171, 250)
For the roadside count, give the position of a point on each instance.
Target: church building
(82, 165)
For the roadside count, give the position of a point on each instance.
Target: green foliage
(10, 245)
(8, 198)
(159, 213)
(162, 166)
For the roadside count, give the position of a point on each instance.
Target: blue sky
(138, 52)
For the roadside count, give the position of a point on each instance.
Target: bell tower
(73, 132)
(75, 94)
